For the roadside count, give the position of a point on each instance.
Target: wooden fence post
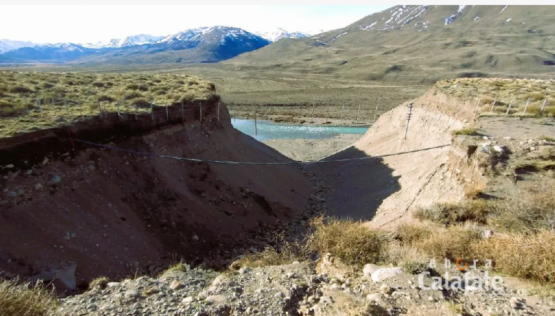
(476, 109)
(543, 105)
(493, 104)
(509, 108)
(526, 106)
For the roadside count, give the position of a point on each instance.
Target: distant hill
(7, 45)
(134, 40)
(200, 45)
(423, 44)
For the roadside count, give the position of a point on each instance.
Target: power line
(227, 162)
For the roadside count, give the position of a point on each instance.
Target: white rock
(216, 298)
(132, 294)
(335, 287)
(385, 273)
(376, 297)
(187, 300)
(369, 269)
(112, 284)
(487, 234)
(175, 285)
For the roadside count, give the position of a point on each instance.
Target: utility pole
(409, 115)
(376, 111)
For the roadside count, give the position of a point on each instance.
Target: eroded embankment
(115, 214)
(388, 189)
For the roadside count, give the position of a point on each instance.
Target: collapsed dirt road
(115, 214)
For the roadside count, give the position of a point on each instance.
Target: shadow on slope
(356, 188)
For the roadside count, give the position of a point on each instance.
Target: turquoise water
(269, 130)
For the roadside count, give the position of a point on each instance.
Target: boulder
(385, 273)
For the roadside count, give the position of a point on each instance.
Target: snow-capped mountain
(7, 45)
(204, 34)
(134, 40)
(280, 33)
(204, 44)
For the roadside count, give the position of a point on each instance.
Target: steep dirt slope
(115, 213)
(388, 189)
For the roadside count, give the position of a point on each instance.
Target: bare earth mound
(117, 214)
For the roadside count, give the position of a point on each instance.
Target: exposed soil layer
(115, 213)
(387, 189)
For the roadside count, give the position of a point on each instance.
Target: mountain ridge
(232, 41)
(422, 44)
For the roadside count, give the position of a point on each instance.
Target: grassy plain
(38, 100)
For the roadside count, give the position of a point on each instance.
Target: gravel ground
(312, 149)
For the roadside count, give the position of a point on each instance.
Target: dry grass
(503, 92)
(34, 101)
(100, 283)
(25, 300)
(454, 213)
(528, 256)
(350, 241)
(530, 209)
(469, 131)
(180, 266)
(451, 243)
(270, 256)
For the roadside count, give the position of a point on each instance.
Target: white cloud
(93, 23)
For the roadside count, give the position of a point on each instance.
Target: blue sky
(90, 23)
